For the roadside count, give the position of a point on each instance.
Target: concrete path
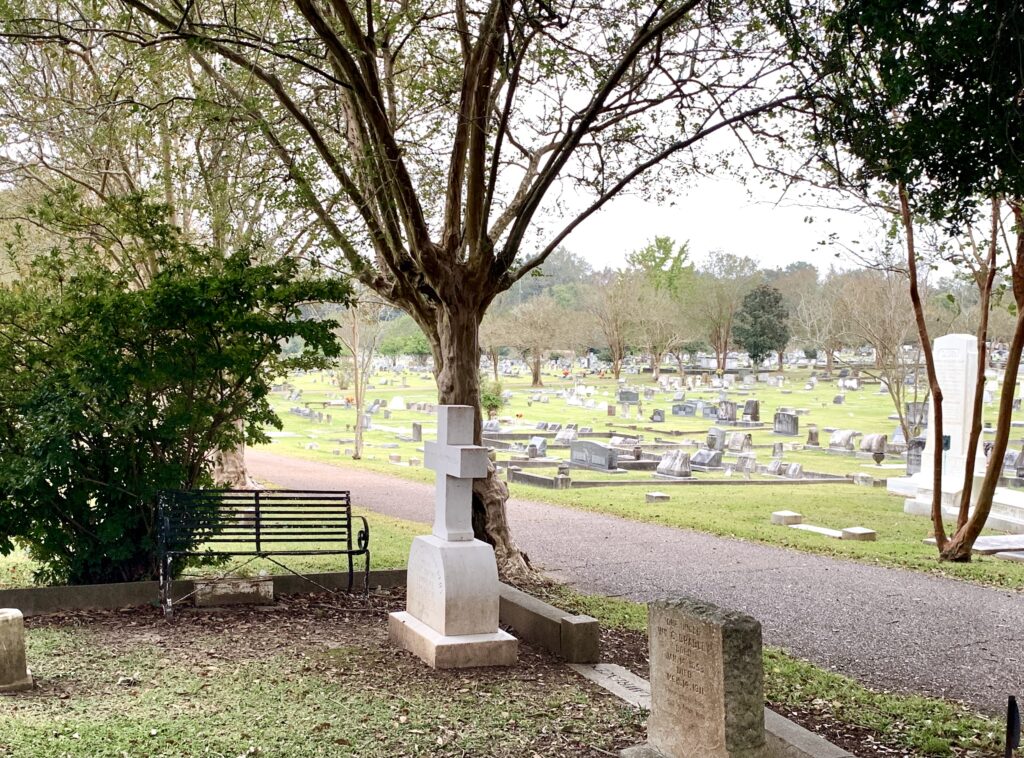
(888, 628)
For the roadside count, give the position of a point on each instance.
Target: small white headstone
(14, 673)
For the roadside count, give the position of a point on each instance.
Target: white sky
(720, 215)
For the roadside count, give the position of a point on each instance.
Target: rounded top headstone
(10, 614)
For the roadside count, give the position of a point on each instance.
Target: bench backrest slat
(253, 516)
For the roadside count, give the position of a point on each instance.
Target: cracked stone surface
(888, 628)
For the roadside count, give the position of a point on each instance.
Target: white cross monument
(451, 616)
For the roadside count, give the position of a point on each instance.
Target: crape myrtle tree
(535, 328)
(920, 101)
(445, 150)
(720, 285)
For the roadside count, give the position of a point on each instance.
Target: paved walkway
(889, 628)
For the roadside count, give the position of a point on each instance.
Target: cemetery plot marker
(707, 688)
(451, 616)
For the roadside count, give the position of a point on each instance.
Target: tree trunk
(656, 366)
(457, 371)
(781, 361)
(229, 467)
(535, 370)
(830, 360)
(494, 364)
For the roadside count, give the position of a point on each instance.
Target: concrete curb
(575, 639)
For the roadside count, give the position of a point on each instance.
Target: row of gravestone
(733, 442)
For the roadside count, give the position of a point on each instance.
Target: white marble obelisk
(451, 616)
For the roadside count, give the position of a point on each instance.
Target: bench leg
(351, 570)
(366, 576)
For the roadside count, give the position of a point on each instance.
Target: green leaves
(116, 383)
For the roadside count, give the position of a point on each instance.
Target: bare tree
(610, 303)
(819, 321)
(717, 295)
(361, 327)
(535, 327)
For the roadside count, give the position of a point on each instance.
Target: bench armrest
(363, 537)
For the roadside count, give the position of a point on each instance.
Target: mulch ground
(291, 626)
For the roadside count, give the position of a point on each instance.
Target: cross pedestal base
(451, 619)
(460, 651)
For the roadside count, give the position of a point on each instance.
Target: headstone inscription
(707, 683)
(451, 616)
(593, 455)
(786, 423)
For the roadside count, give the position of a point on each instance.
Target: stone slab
(990, 545)
(834, 533)
(859, 533)
(212, 593)
(441, 651)
(786, 518)
(657, 497)
(619, 681)
(1011, 555)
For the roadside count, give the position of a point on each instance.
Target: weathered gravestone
(874, 443)
(795, 471)
(738, 442)
(628, 396)
(777, 450)
(915, 450)
(752, 410)
(716, 438)
(707, 683)
(417, 432)
(14, 673)
(658, 416)
(706, 459)
(916, 414)
(775, 467)
(675, 463)
(683, 409)
(838, 400)
(451, 616)
(727, 411)
(541, 443)
(491, 425)
(843, 439)
(593, 455)
(709, 411)
(812, 436)
(746, 463)
(786, 423)
(565, 436)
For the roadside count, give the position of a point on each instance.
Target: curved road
(889, 628)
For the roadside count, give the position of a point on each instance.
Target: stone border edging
(572, 637)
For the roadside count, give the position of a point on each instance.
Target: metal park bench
(257, 524)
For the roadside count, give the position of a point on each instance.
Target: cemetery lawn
(743, 511)
(314, 676)
(832, 705)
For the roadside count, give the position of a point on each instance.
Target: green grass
(925, 726)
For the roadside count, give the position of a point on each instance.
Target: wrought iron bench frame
(224, 523)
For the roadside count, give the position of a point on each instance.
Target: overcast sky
(719, 215)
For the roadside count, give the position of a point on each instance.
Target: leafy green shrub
(490, 397)
(124, 365)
